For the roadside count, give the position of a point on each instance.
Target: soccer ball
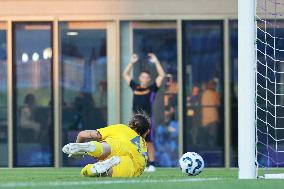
(191, 163)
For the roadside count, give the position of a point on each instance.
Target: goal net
(269, 87)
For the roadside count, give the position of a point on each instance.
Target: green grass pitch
(62, 178)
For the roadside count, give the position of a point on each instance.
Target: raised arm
(127, 72)
(86, 135)
(159, 68)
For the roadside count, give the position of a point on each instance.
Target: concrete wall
(117, 9)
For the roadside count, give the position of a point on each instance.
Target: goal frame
(246, 89)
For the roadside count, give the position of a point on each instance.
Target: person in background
(87, 115)
(210, 101)
(27, 119)
(194, 114)
(167, 139)
(143, 97)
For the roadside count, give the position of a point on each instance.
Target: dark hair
(146, 71)
(30, 99)
(140, 122)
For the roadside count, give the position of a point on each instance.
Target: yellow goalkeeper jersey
(124, 141)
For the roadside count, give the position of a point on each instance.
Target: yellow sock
(86, 171)
(99, 150)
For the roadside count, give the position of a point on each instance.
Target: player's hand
(77, 155)
(134, 58)
(153, 58)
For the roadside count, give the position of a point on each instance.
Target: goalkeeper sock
(98, 151)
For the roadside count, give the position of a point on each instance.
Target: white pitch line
(81, 183)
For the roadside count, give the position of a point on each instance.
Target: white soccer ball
(191, 163)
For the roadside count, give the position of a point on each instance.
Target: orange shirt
(210, 102)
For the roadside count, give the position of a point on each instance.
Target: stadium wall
(113, 13)
(122, 9)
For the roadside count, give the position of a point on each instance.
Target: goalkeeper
(121, 150)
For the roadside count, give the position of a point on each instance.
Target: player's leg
(124, 169)
(101, 168)
(151, 157)
(118, 165)
(99, 150)
(112, 167)
(151, 167)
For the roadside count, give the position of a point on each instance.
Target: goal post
(246, 89)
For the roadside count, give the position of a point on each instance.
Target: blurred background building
(61, 64)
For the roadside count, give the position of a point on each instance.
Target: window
(234, 91)
(203, 90)
(83, 61)
(33, 104)
(158, 38)
(3, 95)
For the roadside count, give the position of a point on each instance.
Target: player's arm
(127, 72)
(88, 135)
(159, 68)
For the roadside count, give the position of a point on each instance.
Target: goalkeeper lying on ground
(120, 149)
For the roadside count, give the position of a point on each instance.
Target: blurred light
(47, 53)
(25, 57)
(35, 57)
(72, 33)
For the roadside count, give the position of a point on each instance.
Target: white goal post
(246, 89)
(260, 89)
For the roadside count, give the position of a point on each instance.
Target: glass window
(33, 104)
(203, 90)
(83, 61)
(3, 95)
(158, 38)
(234, 91)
